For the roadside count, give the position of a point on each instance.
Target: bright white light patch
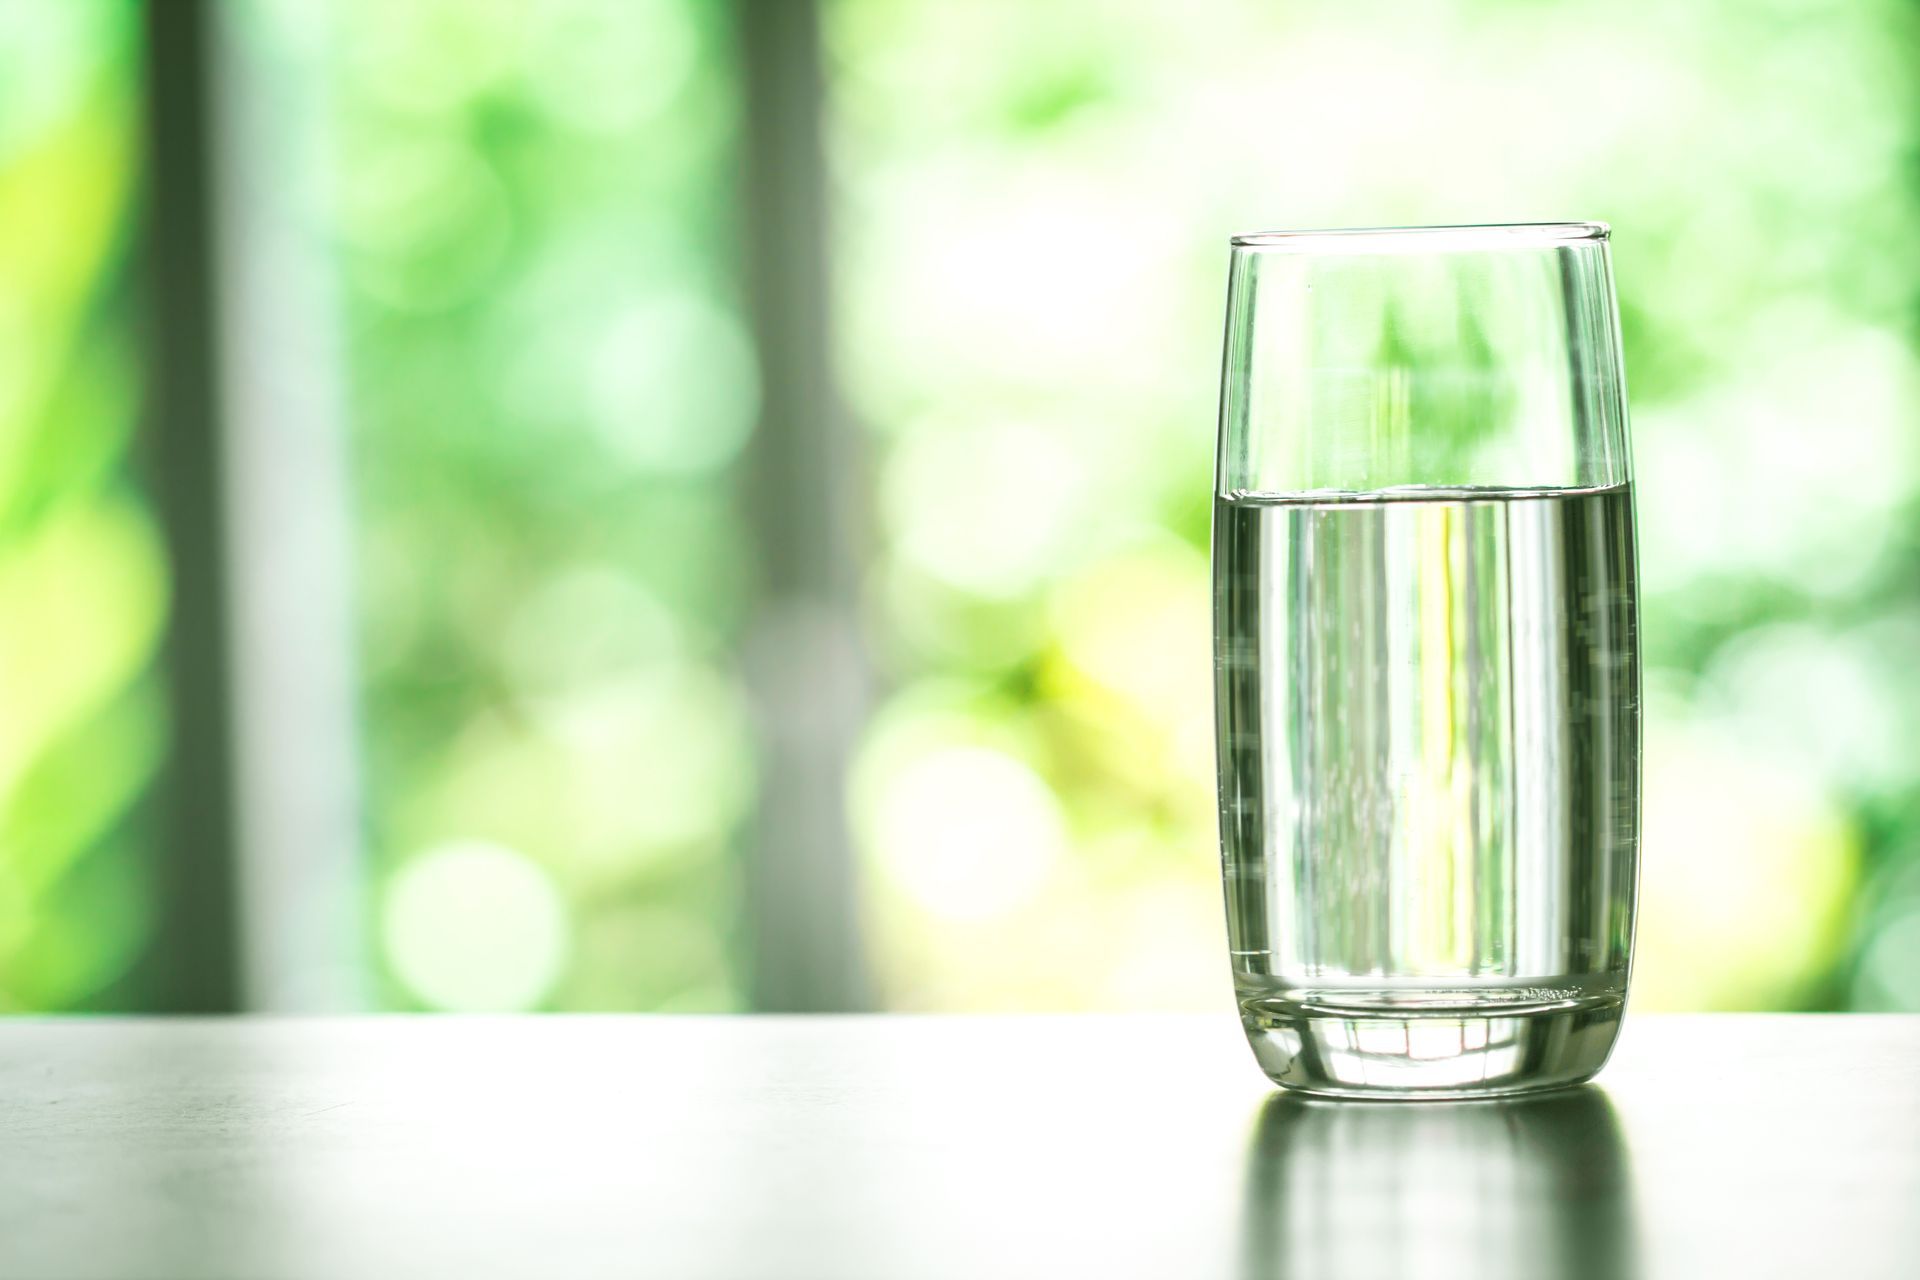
(473, 926)
(969, 833)
(673, 386)
(991, 510)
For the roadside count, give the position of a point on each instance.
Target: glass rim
(1482, 235)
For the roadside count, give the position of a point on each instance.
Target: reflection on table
(1531, 1186)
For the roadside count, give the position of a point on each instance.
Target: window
(641, 598)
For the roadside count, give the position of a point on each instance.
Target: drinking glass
(1426, 656)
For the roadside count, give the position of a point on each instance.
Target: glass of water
(1426, 657)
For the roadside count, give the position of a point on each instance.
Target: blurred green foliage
(533, 208)
(549, 383)
(82, 588)
(1035, 201)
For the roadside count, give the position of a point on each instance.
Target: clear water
(1429, 735)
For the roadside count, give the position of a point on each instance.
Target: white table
(904, 1147)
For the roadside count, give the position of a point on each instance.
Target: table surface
(896, 1147)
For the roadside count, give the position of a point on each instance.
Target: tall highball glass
(1426, 657)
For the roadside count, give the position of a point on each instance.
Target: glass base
(1353, 1049)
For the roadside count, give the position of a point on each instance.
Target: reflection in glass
(1533, 1186)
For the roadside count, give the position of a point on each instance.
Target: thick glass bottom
(1343, 1045)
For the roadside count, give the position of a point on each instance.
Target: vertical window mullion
(805, 662)
(257, 906)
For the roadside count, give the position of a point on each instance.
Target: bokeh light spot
(968, 833)
(475, 926)
(427, 220)
(654, 758)
(992, 509)
(584, 624)
(603, 66)
(1138, 626)
(673, 386)
(429, 57)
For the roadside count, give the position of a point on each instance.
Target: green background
(532, 211)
